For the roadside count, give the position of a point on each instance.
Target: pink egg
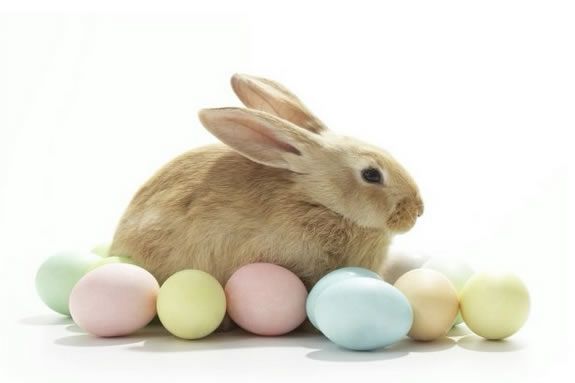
(114, 300)
(266, 299)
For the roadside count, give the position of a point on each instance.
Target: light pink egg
(266, 299)
(114, 300)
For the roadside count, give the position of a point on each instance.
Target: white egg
(399, 262)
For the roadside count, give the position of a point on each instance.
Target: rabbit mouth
(404, 216)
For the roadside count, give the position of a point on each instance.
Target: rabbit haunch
(283, 189)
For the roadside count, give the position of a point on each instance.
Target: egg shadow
(459, 330)
(234, 339)
(46, 320)
(333, 353)
(410, 345)
(75, 329)
(476, 343)
(88, 340)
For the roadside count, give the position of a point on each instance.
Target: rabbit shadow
(476, 343)
(46, 320)
(234, 339)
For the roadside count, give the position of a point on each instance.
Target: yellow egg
(433, 300)
(494, 305)
(191, 304)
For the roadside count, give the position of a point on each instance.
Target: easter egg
(456, 270)
(114, 300)
(331, 278)
(399, 262)
(494, 305)
(57, 276)
(101, 249)
(108, 260)
(266, 299)
(433, 300)
(191, 304)
(363, 313)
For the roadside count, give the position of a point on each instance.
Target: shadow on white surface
(87, 340)
(46, 320)
(229, 340)
(333, 353)
(155, 339)
(75, 328)
(476, 343)
(409, 345)
(460, 330)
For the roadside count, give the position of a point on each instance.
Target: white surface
(475, 98)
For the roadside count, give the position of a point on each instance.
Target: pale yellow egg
(494, 305)
(191, 304)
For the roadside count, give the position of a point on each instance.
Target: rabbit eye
(372, 176)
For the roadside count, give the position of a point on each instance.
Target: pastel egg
(57, 276)
(363, 313)
(399, 262)
(494, 305)
(191, 304)
(101, 249)
(266, 299)
(114, 300)
(433, 300)
(456, 270)
(331, 278)
(108, 260)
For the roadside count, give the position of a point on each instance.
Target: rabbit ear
(261, 137)
(269, 96)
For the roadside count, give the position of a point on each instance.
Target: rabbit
(282, 188)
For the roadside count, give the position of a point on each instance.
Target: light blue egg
(331, 278)
(363, 314)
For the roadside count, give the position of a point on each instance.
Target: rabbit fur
(282, 188)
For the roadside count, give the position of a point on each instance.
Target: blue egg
(363, 314)
(329, 279)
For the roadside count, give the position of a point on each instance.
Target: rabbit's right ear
(269, 96)
(261, 137)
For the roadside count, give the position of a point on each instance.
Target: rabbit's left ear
(263, 138)
(271, 97)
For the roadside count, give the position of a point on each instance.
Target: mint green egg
(57, 276)
(107, 260)
(102, 249)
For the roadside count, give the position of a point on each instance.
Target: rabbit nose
(419, 207)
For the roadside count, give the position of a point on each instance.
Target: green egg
(57, 276)
(107, 260)
(102, 249)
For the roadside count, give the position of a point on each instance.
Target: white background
(476, 99)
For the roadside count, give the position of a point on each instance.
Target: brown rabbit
(283, 189)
